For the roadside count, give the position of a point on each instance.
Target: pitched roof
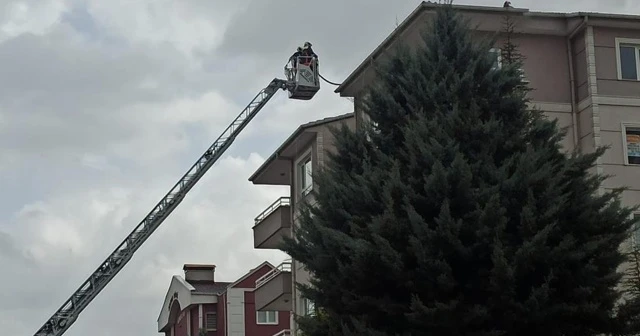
(428, 5)
(253, 270)
(209, 287)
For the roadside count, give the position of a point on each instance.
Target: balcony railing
(285, 332)
(282, 201)
(284, 267)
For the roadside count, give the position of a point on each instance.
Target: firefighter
(308, 53)
(294, 57)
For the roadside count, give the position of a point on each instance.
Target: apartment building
(585, 72)
(584, 69)
(198, 305)
(292, 164)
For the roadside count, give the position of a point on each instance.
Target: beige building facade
(292, 164)
(585, 72)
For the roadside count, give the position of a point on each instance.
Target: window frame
(625, 149)
(635, 242)
(309, 307)
(301, 173)
(367, 119)
(267, 322)
(206, 320)
(630, 42)
(497, 51)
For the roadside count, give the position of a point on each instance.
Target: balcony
(273, 290)
(284, 332)
(273, 224)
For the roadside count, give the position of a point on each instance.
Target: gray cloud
(343, 33)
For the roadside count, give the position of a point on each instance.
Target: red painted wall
(181, 324)
(250, 281)
(254, 329)
(209, 308)
(181, 327)
(194, 321)
(251, 327)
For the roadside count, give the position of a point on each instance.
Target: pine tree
(628, 310)
(510, 51)
(459, 214)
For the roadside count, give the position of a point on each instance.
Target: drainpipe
(292, 209)
(223, 304)
(189, 321)
(572, 80)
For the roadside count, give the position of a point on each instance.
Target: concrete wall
(318, 148)
(618, 103)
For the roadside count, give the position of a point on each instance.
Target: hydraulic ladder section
(68, 313)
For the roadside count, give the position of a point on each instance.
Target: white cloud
(190, 26)
(30, 16)
(98, 162)
(105, 104)
(67, 235)
(53, 230)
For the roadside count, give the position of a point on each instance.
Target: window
(631, 137)
(309, 307)
(212, 321)
(636, 231)
(374, 125)
(305, 176)
(267, 317)
(496, 54)
(628, 52)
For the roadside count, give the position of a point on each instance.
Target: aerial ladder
(302, 83)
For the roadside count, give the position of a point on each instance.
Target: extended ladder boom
(68, 313)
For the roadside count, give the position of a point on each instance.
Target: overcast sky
(105, 104)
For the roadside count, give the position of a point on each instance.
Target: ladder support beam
(64, 317)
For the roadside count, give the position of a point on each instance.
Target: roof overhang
(199, 267)
(549, 23)
(276, 170)
(251, 272)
